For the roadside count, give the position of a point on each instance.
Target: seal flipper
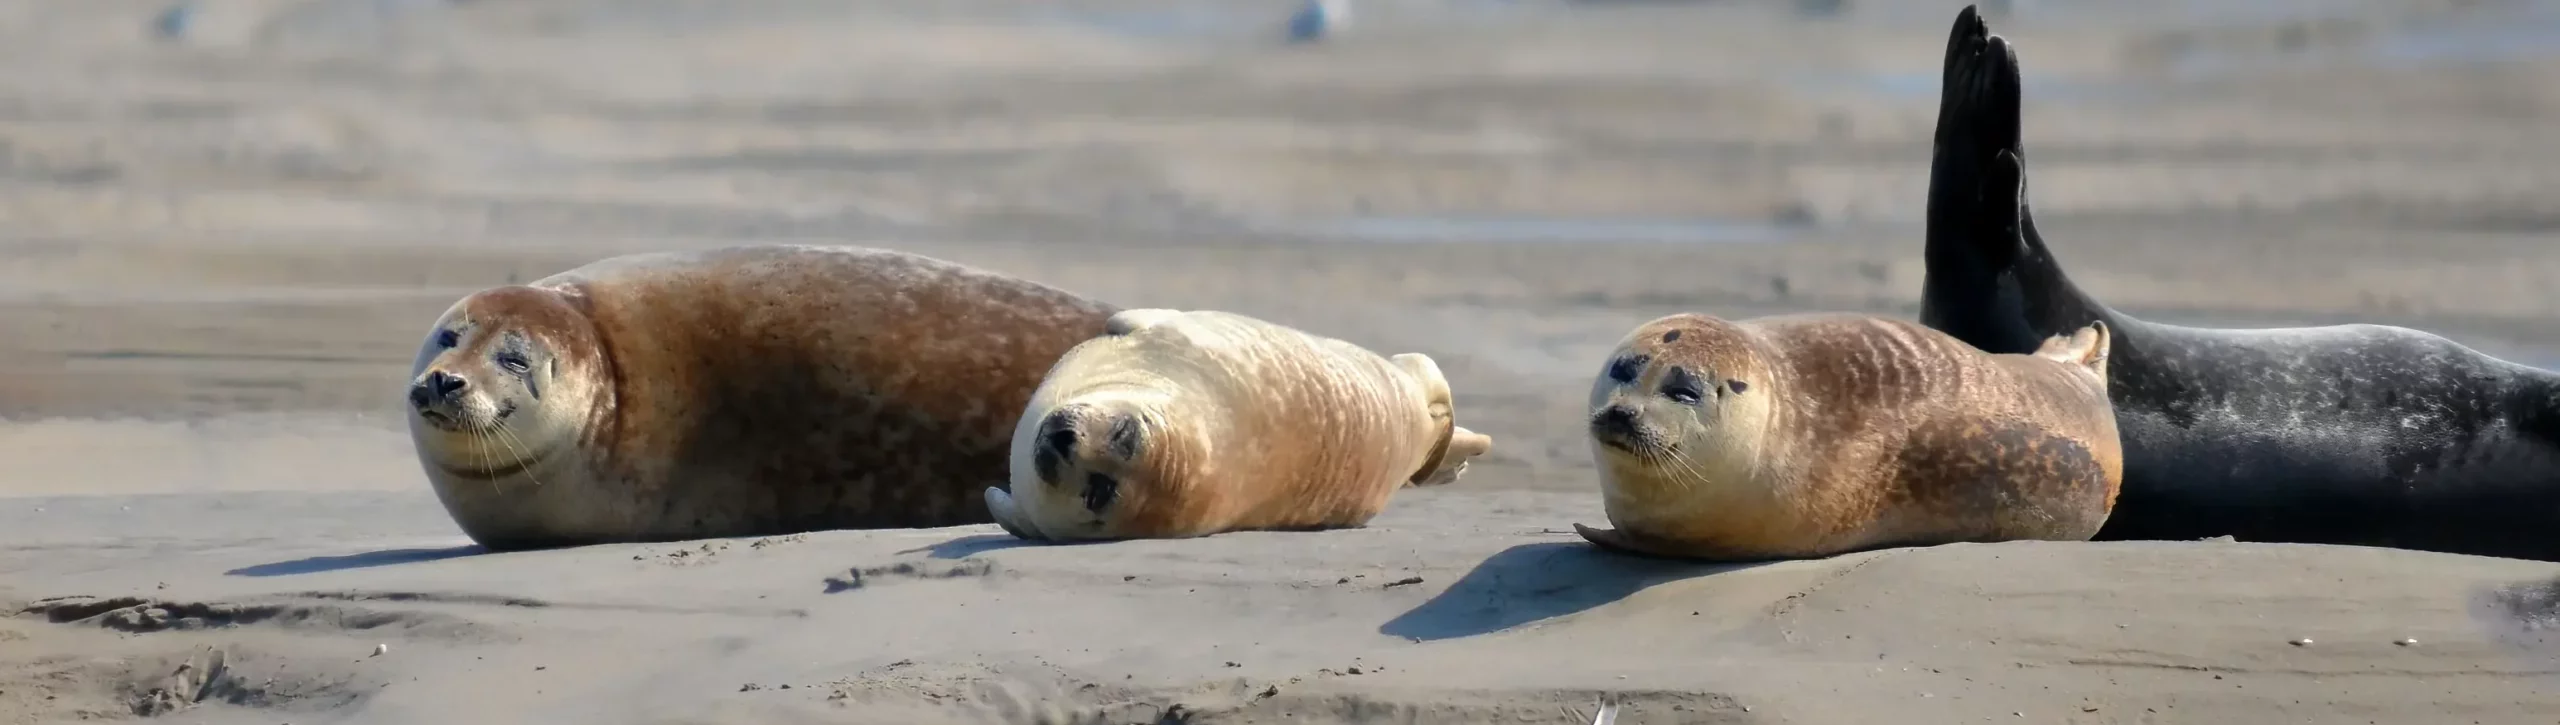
(1627, 542)
(1978, 116)
(1448, 459)
(1128, 321)
(1463, 445)
(2086, 348)
(1007, 515)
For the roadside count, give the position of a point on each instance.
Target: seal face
(1178, 424)
(744, 391)
(1813, 435)
(2351, 434)
(505, 384)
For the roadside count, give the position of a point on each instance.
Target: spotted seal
(1189, 423)
(1810, 435)
(751, 390)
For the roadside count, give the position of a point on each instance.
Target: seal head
(506, 383)
(1096, 463)
(1686, 392)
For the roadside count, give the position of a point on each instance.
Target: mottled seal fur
(743, 391)
(1800, 436)
(2350, 434)
(1190, 423)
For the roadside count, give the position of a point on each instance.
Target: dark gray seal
(2350, 434)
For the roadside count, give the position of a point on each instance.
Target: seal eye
(1683, 388)
(514, 362)
(1626, 369)
(1736, 386)
(448, 338)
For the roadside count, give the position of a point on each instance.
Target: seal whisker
(524, 462)
(1691, 471)
(480, 450)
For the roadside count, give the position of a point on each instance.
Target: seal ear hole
(1672, 336)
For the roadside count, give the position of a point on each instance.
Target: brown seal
(742, 391)
(1178, 424)
(1802, 436)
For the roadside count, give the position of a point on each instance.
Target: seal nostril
(446, 384)
(1062, 441)
(1615, 419)
(1100, 491)
(419, 394)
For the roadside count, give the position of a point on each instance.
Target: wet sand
(220, 251)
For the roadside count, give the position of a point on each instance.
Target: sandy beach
(219, 247)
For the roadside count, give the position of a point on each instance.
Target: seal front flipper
(1000, 506)
(1128, 321)
(1628, 542)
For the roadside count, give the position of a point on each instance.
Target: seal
(2359, 434)
(744, 391)
(1177, 424)
(1811, 435)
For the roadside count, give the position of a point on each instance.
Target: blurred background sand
(225, 244)
(220, 248)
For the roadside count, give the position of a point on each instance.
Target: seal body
(1179, 424)
(2351, 434)
(743, 391)
(1801, 436)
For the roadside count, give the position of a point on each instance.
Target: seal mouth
(451, 422)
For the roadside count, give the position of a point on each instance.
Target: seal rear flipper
(1448, 458)
(1978, 117)
(1451, 464)
(2086, 348)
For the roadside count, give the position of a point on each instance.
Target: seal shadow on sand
(1533, 582)
(386, 557)
(972, 545)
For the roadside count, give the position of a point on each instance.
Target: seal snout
(1059, 433)
(437, 395)
(1616, 427)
